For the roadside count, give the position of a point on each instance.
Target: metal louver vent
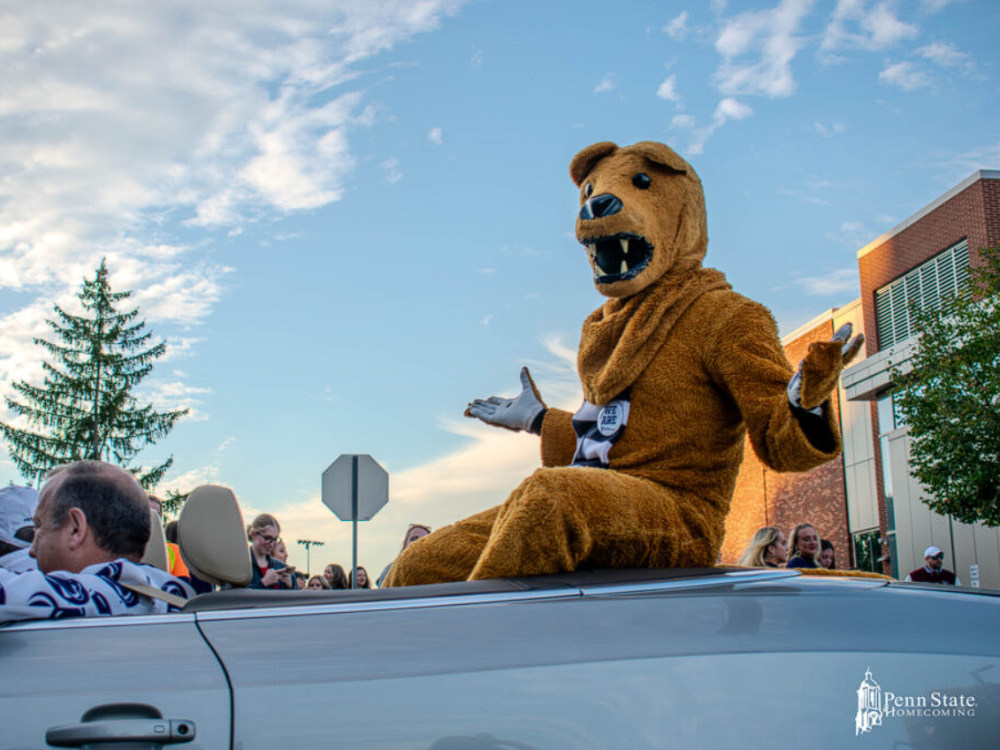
(924, 287)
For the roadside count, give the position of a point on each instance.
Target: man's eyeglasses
(939, 556)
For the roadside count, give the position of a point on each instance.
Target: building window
(867, 551)
(945, 274)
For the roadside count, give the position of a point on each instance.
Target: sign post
(355, 487)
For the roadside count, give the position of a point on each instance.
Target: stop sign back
(355, 475)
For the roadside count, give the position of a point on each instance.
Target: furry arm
(558, 438)
(749, 363)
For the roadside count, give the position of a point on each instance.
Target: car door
(70, 683)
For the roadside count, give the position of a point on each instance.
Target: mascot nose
(600, 205)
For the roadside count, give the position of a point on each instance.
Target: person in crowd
(364, 582)
(17, 528)
(157, 505)
(767, 549)
(92, 524)
(827, 554)
(318, 583)
(933, 570)
(335, 576)
(280, 552)
(268, 571)
(176, 562)
(804, 541)
(414, 532)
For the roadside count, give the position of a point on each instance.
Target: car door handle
(160, 731)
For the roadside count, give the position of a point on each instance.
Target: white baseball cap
(931, 551)
(17, 511)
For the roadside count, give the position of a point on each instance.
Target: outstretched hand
(819, 372)
(512, 413)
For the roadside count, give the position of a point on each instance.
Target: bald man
(91, 529)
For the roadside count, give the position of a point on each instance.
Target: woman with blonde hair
(268, 571)
(804, 543)
(768, 549)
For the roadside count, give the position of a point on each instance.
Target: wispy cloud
(223, 113)
(841, 281)
(391, 169)
(606, 84)
(905, 75)
(828, 131)
(757, 48)
(436, 136)
(668, 90)
(727, 109)
(676, 28)
(853, 26)
(947, 56)
(851, 235)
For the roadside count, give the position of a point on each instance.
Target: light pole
(307, 543)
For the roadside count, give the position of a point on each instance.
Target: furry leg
(560, 519)
(447, 554)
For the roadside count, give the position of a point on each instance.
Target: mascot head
(642, 215)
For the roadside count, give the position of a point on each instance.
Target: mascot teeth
(618, 257)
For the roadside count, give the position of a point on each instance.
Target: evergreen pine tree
(85, 409)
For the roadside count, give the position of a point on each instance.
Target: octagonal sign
(352, 473)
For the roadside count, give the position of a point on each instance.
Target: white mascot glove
(517, 413)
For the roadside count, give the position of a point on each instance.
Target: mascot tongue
(623, 335)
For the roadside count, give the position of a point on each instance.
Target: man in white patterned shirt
(91, 528)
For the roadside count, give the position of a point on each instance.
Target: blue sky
(349, 218)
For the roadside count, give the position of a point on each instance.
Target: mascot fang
(676, 369)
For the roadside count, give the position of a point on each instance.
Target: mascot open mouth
(619, 257)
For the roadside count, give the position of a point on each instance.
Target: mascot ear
(662, 155)
(584, 161)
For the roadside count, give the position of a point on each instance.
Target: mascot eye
(588, 190)
(641, 181)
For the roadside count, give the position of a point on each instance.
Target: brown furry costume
(689, 363)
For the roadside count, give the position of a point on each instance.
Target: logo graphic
(610, 418)
(869, 705)
(874, 704)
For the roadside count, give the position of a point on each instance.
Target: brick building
(867, 503)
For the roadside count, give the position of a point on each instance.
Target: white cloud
(391, 168)
(835, 128)
(853, 26)
(436, 136)
(769, 38)
(905, 75)
(851, 235)
(731, 109)
(668, 90)
(677, 26)
(114, 120)
(842, 281)
(607, 84)
(946, 55)
(486, 320)
(686, 122)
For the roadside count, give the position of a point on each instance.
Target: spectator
(335, 576)
(280, 553)
(414, 532)
(768, 549)
(363, 581)
(827, 554)
(318, 583)
(17, 528)
(933, 570)
(804, 542)
(92, 524)
(268, 571)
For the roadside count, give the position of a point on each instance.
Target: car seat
(213, 538)
(156, 547)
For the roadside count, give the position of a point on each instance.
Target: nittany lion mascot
(676, 368)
